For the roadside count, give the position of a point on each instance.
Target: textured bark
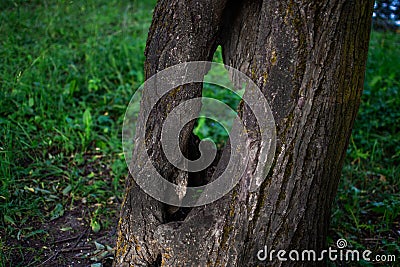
(308, 58)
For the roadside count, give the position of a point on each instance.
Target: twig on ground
(50, 258)
(81, 236)
(76, 249)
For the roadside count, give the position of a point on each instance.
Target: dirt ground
(66, 241)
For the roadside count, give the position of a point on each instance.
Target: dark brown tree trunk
(308, 58)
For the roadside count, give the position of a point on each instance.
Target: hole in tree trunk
(157, 262)
(206, 128)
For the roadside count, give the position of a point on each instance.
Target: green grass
(208, 128)
(367, 207)
(68, 71)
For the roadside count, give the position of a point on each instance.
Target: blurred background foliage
(386, 15)
(68, 71)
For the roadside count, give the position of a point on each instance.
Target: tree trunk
(308, 58)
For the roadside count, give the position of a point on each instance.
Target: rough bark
(308, 58)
